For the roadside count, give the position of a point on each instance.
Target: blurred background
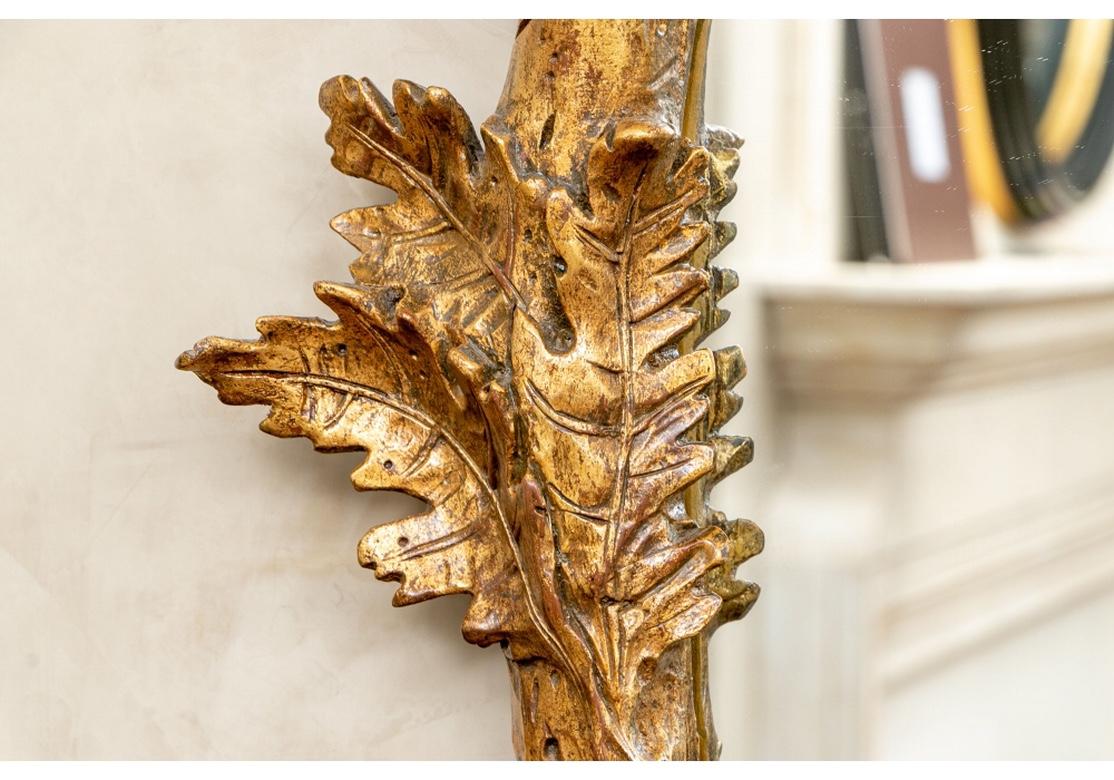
(926, 255)
(926, 248)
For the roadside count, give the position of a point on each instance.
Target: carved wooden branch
(519, 350)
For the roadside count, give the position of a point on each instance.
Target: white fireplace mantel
(943, 488)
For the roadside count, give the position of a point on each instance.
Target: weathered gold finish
(519, 350)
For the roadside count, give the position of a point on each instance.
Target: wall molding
(881, 377)
(944, 597)
(913, 331)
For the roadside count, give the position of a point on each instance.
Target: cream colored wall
(175, 583)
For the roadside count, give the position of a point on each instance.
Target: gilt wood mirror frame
(519, 348)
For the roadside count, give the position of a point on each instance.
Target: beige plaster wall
(176, 584)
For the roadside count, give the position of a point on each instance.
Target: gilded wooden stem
(520, 350)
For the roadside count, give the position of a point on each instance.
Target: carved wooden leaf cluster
(521, 354)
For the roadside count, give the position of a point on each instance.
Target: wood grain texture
(519, 349)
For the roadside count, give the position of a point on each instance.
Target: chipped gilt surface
(518, 348)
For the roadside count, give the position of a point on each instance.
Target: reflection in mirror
(1028, 108)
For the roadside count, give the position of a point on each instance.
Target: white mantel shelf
(987, 281)
(879, 331)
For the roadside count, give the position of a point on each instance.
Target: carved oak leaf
(520, 351)
(365, 383)
(435, 238)
(607, 417)
(746, 539)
